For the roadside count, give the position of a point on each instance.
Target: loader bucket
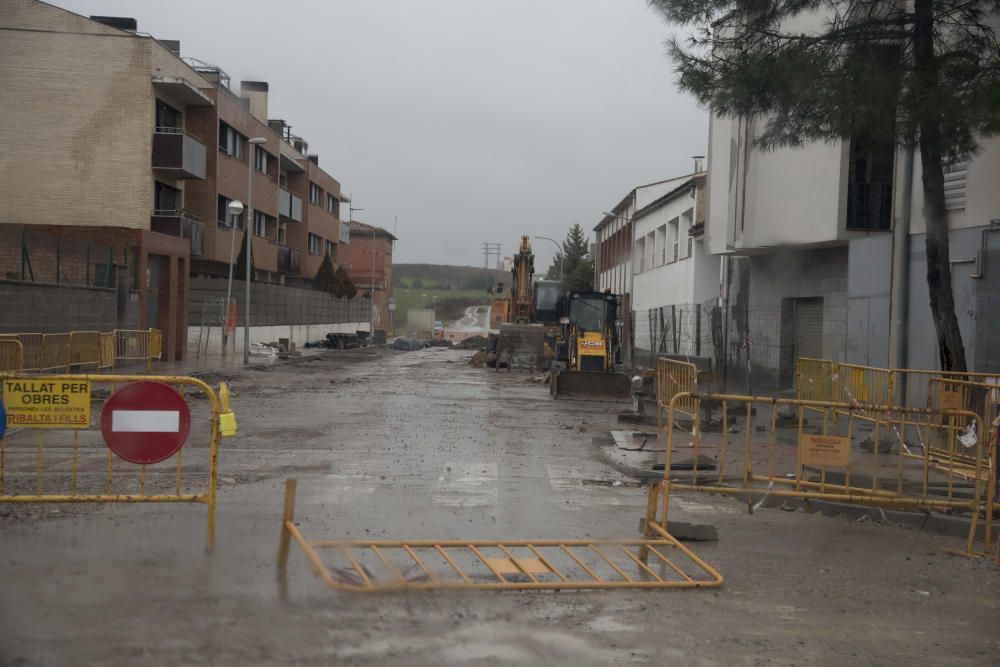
(589, 385)
(521, 346)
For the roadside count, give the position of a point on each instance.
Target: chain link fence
(738, 347)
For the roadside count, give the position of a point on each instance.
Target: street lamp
(248, 226)
(562, 256)
(235, 208)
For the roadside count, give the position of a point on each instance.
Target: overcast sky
(470, 120)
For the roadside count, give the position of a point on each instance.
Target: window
(332, 205)
(282, 229)
(673, 236)
(314, 244)
(260, 159)
(329, 249)
(315, 194)
(872, 145)
(225, 218)
(166, 200)
(259, 224)
(168, 119)
(640, 254)
(231, 142)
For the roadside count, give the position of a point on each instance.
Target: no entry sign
(145, 422)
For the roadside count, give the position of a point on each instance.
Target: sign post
(145, 422)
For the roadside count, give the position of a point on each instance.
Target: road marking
(467, 485)
(145, 421)
(353, 481)
(572, 492)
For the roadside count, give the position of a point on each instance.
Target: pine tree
(922, 74)
(577, 272)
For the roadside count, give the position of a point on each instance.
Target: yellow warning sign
(46, 403)
(825, 450)
(950, 400)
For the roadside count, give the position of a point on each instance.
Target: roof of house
(358, 227)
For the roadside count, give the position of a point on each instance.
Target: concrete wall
(43, 308)
(209, 341)
(869, 280)
(922, 348)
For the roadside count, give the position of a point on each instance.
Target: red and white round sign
(145, 422)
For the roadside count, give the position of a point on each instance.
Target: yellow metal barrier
(84, 469)
(11, 355)
(865, 385)
(912, 386)
(85, 348)
(31, 349)
(544, 564)
(155, 344)
(139, 345)
(822, 464)
(106, 350)
(815, 379)
(676, 378)
(55, 352)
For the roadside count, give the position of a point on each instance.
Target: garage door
(809, 328)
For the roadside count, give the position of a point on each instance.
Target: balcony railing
(176, 151)
(288, 260)
(180, 223)
(289, 205)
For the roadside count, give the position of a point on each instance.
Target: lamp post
(235, 208)
(562, 256)
(249, 234)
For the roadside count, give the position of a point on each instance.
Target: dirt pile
(472, 343)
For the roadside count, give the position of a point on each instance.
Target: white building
(825, 248)
(676, 283)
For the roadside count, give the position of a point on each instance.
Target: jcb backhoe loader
(590, 349)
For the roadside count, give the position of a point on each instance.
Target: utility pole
(490, 250)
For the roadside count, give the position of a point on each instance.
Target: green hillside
(443, 276)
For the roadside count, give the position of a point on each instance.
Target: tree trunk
(951, 351)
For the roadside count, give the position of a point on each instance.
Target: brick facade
(356, 258)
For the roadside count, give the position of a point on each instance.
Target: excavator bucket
(521, 346)
(590, 385)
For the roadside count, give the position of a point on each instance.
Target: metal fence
(742, 346)
(78, 349)
(43, 257)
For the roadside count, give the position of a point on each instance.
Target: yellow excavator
(520, 341)
(589, 352)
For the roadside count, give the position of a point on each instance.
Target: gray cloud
(469, 120)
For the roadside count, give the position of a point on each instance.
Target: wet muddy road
(419, 445)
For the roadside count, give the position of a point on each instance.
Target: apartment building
(96, 149)
(676, 283)
(824, 249)
(615, 241)
(294, 215)
(113, 140)
(366, 242)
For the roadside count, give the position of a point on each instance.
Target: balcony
(183, 224)
(288, 260)
(289, 205)
(178, 152)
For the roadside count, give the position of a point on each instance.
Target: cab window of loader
(587, 313)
